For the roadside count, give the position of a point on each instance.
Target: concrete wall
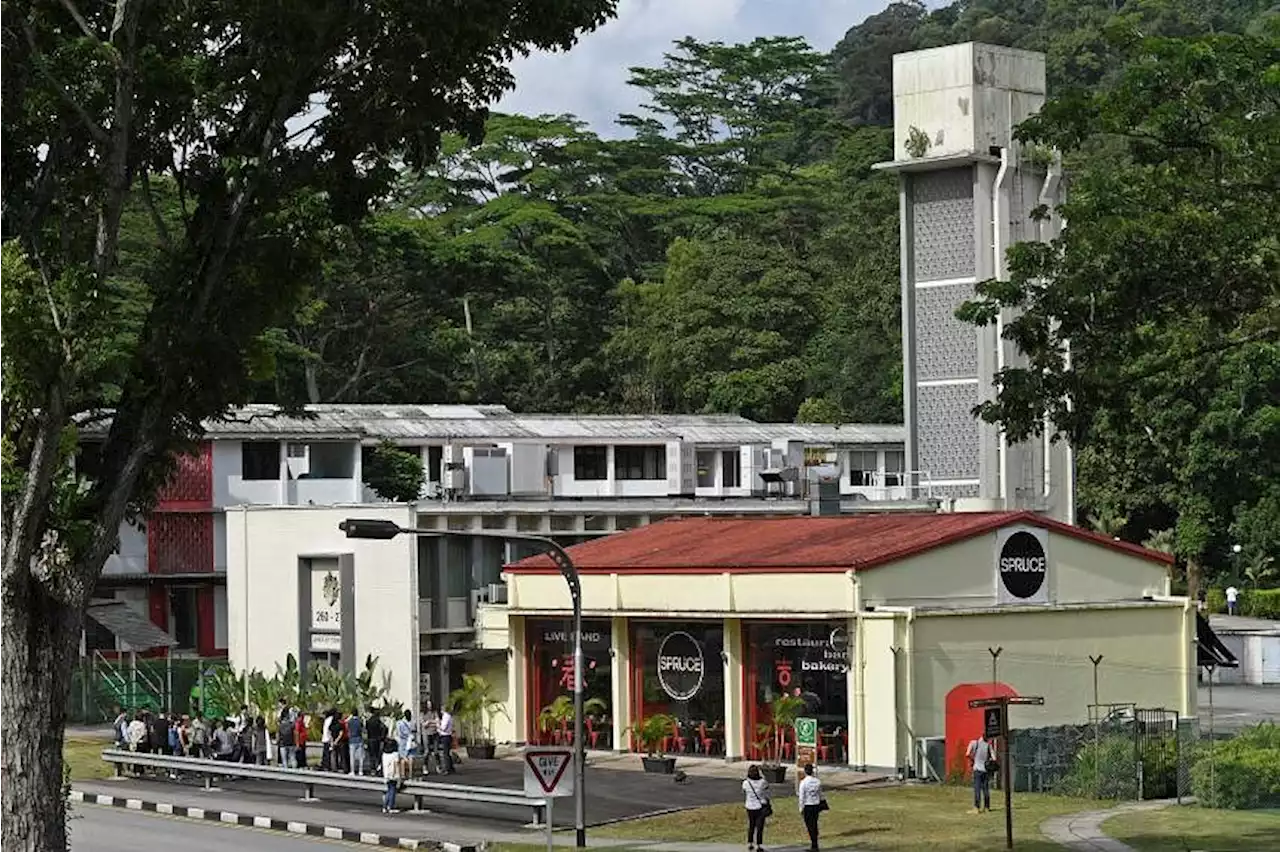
(264, 546)
(1148, 658)
(131, 555)
(964, 574)
(694, 593)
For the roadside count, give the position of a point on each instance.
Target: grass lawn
(926, 817)
(84, 754)
(1176, 829)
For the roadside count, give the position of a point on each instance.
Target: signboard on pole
(992, 722)
(546, 772)
(806, 732)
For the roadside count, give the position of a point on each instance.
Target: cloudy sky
(590, 81)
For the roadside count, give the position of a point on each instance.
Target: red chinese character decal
(566, 671)
(783, 668)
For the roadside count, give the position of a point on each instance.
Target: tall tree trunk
(1193, 579)
(41, 639)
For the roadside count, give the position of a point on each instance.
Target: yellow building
(885, 625)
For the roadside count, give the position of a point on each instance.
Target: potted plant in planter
(558, 715)
(475, 706)
(650, 733)
(784, 711)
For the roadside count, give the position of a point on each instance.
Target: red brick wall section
(191, 485)
(179, 543)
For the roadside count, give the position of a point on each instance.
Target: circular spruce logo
(1023, 565)
(681, 665)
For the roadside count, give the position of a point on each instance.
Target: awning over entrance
(136, 632)
(1209, 648)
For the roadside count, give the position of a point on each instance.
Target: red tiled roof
(849, 542)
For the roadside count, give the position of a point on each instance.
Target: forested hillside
(735, 254)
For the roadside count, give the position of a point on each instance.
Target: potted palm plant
(783, 714)
(558, 715)
(650, 734)
(475, 706)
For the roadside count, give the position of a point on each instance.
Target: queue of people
(349, 742)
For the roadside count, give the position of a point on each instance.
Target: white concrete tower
(967, 192)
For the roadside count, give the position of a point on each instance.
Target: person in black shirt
(376, 735)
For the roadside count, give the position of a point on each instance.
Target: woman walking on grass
(759, 808)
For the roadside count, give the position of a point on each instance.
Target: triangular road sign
(547, 767)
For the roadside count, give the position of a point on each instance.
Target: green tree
(393, 473)
(221, 96)
(1152, 326)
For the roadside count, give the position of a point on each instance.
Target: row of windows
(591, 464)
(260, 460)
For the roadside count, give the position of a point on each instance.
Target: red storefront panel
(549, 644)
(180, 543)
(191, 485)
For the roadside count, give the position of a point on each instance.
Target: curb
(310, 829)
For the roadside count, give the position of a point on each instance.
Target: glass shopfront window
(804, 659)
(676, 668)
(551, 676)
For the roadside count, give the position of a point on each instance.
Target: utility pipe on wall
(1048, 190)
(997, 247)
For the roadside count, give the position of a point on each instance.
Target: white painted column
(620, 676)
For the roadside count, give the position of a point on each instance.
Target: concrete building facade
(969, 191)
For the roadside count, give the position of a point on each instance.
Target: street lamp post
(381, 529)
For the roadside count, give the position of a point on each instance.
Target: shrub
(1105, 770)
(1216, 601)
(1240, 773)
(1261, 603)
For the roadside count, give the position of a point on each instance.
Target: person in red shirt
(300, 739)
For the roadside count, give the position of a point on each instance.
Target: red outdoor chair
(681, 743)
(708, 744)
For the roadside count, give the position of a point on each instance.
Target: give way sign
(546, 772)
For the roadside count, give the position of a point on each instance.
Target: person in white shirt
(809, 797)
(1232, 593)
(390, 774)
(981, 752)
(759, 807)
(445, 731)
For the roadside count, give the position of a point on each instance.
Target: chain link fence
(1123, 753)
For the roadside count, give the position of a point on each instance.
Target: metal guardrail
(310, 779)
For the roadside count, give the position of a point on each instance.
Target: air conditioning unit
(497, 593)
(931, 758)
(489, 474)
(454, 475)
(298, 458)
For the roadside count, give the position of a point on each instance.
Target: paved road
(1237, 707)
(104, 829)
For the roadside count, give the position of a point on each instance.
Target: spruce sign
(1022, 565)
(681, 665)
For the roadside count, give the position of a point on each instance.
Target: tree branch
(33, 503)
(95, 130)
(80, 21)
(117, 158)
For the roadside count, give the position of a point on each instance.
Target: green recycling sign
(806, 732)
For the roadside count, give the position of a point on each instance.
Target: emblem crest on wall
(331, 589)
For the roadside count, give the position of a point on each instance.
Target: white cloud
(590, 80)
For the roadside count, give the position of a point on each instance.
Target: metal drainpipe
(997, 247)
(1053, 174)
(244, 547)
(910, 677)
